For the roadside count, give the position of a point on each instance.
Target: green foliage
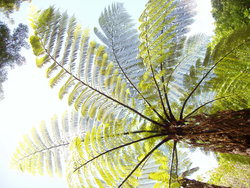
(130, 124)
(233, 171)
(230, 15)
(234, 158)
(37, 47)
(120, 37)
(227, 86)
(45, 149)
(232, 74)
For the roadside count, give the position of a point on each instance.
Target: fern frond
(83, 65)
(46, 148)
(227, 56)
(121, 40)
(109, 152)
(236, 68)
(122, 46)
(162, 36)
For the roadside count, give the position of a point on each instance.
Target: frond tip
(45, 149)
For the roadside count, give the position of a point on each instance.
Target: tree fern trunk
(225, 132)
(188, 183)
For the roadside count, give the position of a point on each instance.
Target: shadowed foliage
(9, 6)
(233, 170)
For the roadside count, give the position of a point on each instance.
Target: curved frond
(82, 66)
(232, 74)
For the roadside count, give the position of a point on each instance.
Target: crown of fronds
(129, 92)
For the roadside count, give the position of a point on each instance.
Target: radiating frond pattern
(45, 149)
(106, 160)
(98, 87)
(162, 39)
(136, 97)
(90, 80)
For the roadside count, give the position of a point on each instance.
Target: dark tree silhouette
(10, 48)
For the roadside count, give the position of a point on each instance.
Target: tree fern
(134, 121)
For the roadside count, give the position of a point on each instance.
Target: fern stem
(190, 94)
(171, 118)
(135, 132)
(105, 95)
(121, 146)
(170, 76)
(156, 84)
(159, 91)
(42, 150)
(203, 106)
(172, 163)
(165, 92)
(116, 59)
(144, 158)
(132, 132)
(142, 166)
(176, 164)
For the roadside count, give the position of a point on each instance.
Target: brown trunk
(188, 183)
(225, 132)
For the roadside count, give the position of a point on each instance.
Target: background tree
(11, 45)
(9, 6)
(230, 15)
(127, 121)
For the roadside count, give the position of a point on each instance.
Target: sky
(29, 99)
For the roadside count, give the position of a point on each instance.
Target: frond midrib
(101, 93)
(43, 150)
